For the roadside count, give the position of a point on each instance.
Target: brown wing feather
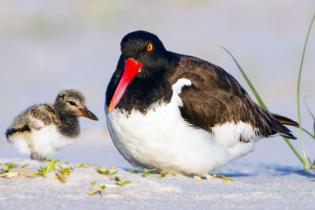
(216, 97)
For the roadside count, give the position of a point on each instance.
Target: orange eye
(150, 47)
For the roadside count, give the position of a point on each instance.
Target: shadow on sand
(272, 171)
(260, 170)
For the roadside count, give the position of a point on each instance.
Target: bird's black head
(143, 55)
(72, 102)
(145, 48)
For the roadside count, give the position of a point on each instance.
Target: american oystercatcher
(42, 129)
(180, 113)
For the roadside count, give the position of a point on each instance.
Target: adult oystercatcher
(42, 129)
(180, 113)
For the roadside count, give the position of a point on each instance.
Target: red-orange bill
(88, 114)
(132, 67)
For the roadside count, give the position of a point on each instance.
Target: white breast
(44, 141)
(162, 139)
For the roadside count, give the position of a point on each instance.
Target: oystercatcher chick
(42, 129)
(180, 113)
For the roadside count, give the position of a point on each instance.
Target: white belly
(44, 141)
(162, 139)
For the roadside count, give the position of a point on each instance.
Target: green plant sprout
(134, 171)
(164, 174)
(99, 190)
(83, 165)
(63, 173)
(94, 182)
(8, 168)
(121, 182)
(24, 166)
(106, 172)
(13, 170)
(147, 172)
(43, 171)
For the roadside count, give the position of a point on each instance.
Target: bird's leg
(197, 178)
(36, 156)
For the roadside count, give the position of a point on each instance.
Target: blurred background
(47, 46)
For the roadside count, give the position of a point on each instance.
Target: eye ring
(150, 47)
(72, 103)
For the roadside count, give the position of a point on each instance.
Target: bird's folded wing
(215, 98)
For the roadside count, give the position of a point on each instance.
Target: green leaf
(134, 171)
(43, 171)
(63, 173)
(106, 172)
(147, 172)
(121, 182)
(95, 191)
(51, 166)
(8, 167)
(164, 174)
(24, 166)
(103, 187)
(117, 178)
(98, 190)
(82, 165)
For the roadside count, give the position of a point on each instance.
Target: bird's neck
(69, 124)
(142, 93)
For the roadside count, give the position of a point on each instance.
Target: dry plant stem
(306, 163)
(260, 101)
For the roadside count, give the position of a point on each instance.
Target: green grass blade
(313, 118)
(309, 133)
(297, 154)
(250, 84)
(298, 94)
(261, 103)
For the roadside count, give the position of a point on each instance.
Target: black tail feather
(281, 128)
(284, 131)
(285, 121)
(12, 131)
(288, 135)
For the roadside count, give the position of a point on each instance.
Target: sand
(254, 187)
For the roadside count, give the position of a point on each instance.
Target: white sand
(254, 187)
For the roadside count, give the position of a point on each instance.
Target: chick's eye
(150, 47)
(72, 103)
